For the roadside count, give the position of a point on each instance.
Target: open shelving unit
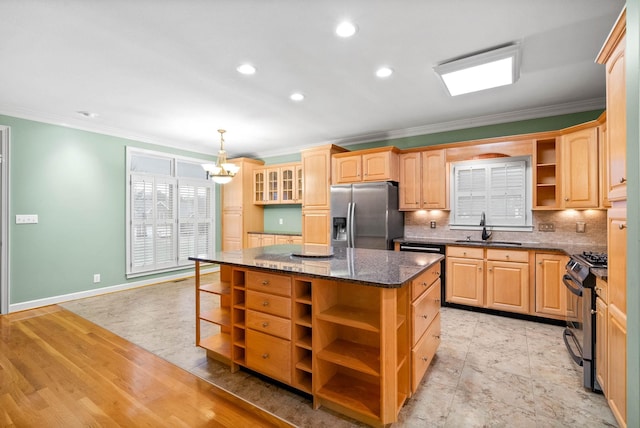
(303, 335)
(357, 371)
(547, 173)
(213, 309)
(238, 316)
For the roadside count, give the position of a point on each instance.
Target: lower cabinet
(506, 280)
(257, 239)
(602, 341)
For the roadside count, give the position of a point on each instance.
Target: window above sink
(498, 187)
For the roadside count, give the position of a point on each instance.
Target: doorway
(4, 219)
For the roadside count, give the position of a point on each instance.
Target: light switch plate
(546, 227)
(26, 218)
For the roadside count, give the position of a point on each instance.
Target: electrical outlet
(96, 278)
(432, 224)
(546, 227)
(26, 218)
(580, 226)
(280, 221)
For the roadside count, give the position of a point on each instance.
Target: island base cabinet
(269, 355)
(424, 351)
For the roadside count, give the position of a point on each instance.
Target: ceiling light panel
(384, 72)
(487, 70)
(297, 96)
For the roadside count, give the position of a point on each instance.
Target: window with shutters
(500, 188)
(169, 209)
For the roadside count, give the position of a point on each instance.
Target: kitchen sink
(502, 243)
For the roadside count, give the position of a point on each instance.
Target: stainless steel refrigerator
(365, 215)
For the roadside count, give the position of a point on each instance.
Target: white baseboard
(98, 291)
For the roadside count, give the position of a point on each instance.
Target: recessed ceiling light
(383, 72)
(88, 114)
(346, 29)
(246, 69)
(297, 96)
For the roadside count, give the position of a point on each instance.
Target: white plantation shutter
(170, 212)
(153, 237)
(498, 188)
(195, 220)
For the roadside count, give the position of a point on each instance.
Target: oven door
(574, 333)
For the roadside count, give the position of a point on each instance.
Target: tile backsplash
(417, 225)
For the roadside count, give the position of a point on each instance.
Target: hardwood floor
(58, 369)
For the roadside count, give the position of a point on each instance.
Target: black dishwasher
(419, 247)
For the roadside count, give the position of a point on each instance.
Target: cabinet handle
(464, 253)
(622, 226)
(540, 263)
(265, 355)
(506, 256)
(265, 282)
(598, 289)
(424, 284)
(425, 316)
(437, 336)
(265, 303)
(265, 324)
(479, 268)
(425, 359)
(436, 300)
(622, 180)
(566, 199)
(490, 269)
(593, 312)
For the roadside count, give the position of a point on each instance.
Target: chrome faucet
(485, 235)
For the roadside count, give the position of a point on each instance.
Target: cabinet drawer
(508, 255)
(269, 355)
(424, 310)
(269, 324)
(268, 303)
(466, 252)
(422, 354)
(422, 283)
(269, 283)
(602, 290)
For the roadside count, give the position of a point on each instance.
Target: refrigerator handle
(352, 224)
(349, 225)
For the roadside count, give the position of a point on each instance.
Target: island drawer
(424, 310)
(508, 255)
(422, 283)
(269, 355)
(268, 303)
(467, 252)
(269, 324)
(269, 283)
(423, 353)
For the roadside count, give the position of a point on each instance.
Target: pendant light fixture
(222, 172)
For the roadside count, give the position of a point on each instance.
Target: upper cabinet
(580, 169)
(366, 165)
(423, 180)
(613, 56)
(278, 184)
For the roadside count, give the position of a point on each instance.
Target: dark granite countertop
(267, 232)
(379, 268)
(563, 247)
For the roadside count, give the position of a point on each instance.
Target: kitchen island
(355, 328)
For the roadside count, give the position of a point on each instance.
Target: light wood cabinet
(602, 343)
(260, 240)
(546, 190)
(423, 180)
(316, 181)
(613, 56)
(550, 292)
(239, 214)
(508, 280)
(316, 227)
(288, 239)
(278, 184)
(580, 180)
(465, 276)
(366, 165)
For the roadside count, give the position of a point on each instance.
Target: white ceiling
(164, 71)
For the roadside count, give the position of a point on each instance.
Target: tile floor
(489, 371)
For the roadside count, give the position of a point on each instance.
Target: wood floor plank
(58, 369)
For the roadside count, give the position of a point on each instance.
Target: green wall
(75, 181)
